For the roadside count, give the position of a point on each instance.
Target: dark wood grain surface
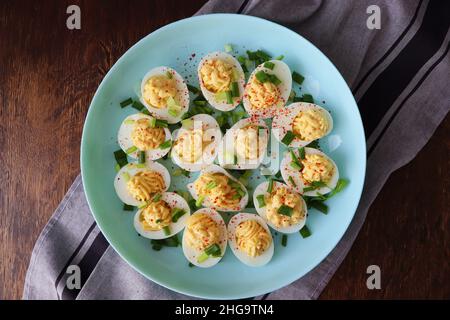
(48, 75)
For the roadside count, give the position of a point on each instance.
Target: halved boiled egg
(162, 217)
(305, 122)
(281, 207)
(314, 174)
(205, 238)
(196, 142)
(268, 89)
(221, 80)
(216, 188)
(250, 239)
(165, 94)
(244, 145)
(140, 132)
(136, 184)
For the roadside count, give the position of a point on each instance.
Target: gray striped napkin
(400, 75)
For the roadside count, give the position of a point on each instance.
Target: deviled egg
(195, 143)
(165, 94)
(163, 216)
(221, 80)
(250, 239)
(281, 207)
(301, 123)
(216, 188)
(310, 172)
(140, 132)
(205, 238)
(136, 184)
(244, 145)
(268, 89)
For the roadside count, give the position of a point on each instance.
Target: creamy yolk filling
(222, 195)
(144, 184)
(216, 75)
(247, 142)
(146, 138)
(190, 145)
(156, 216)
(283, 196)
(317, 168)
(252, 238)
(158, 89)
(201, 231)
(310, 124)
(262, 95)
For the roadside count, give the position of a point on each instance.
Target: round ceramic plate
(181, 45)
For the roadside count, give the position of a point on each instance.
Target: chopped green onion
(248, 64)
(228, 48)
(263, 55)
(177, 213)
(297, 77)
(126, 102)
(168, 242)
(191, 265)
(296, 164)
(158, 220)
(235, 160)
(307, 189)
(129, 121)
(178, 172)
(288, 137)
(203, 257)
(270, 186)
(318, 184)
(307, 98)
(261, 200)
(156, 197)
(301, 153)
(280, 57)
(187, 123)
(319, 205)
(292, 95)
(284, 239)
(199, 201)
(241, 59)
(152, 122)
(305, 233)
(161, 123)
(341, 184)
(229, 96)
(211, 185)
(314, 144)
(220, 96)
(261, 76)
(285, 210)
(166, 230)
(252, 55)
(213, 250)
(141, 156)
(131, 149)
(121, 158)
(126, 176)
(235, 89)
(291, 180)
(156, 247)
(127, 207)
(117, 167)
(193, 89)
(199, 103)
(140, 165)
(142, 205)
(274, 79)
(169, 74)
(166, 144)
(137, 105)
(236, 196)
(269, 65)
(244, 177)
(146, 112)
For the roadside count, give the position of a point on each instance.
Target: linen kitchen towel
(400, 76)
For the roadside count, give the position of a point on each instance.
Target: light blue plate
(175, 45)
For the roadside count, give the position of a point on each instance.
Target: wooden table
(48, 75)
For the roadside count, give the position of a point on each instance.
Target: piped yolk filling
(222, 195)
(317, 168)
(252, 238)
(144, 184)
(262, 95)
(146, 138)
(158, 89)
(216, 75)
(310, 125)
(156, 215)
(279, 197)
(201, 232)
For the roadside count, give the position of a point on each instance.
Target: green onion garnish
(318, 184)
(173, 112)
(307, 189)
(137, 105)
(235, 159)
(158, 220)
(274, 79)
(121, 158)
(199, 201)
(236, 196)
(126, 102)
(211, 185)
(285, 210)
(131, 149)
(284, 240)
(129, 121)
(228, 48)
(319, 205)
(168, 242)
(152, 122)
(261, 200)
(178, 172)
(213, 250)
(297, 77)
(161, 123)
(229, 96)
(244, 177)
(340, 185)
(220, 96)
(146, 112)
(241, 59)
(291, 180)
(263, 55)
(156, 247)
(177, 213)
(141, 156)
(261, 76)
(270, 186)
(307, 98)
(280, 57)
(169, 74)
(127, 207)
(191, 265)
(296, 164)
(200, 103)
(248, 64)
(166, 230)
(252, 55)
(142, 205)
(314, 144)
(157, 197)
(165, 144)
(193, 89)
(269, 65)
(126, 176)
(301, 153)
(117, 167)
(305, 232)
(288, 137)
(140, 165)
(203, 257)
(235, 89)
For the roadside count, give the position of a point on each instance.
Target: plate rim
(193, 293)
